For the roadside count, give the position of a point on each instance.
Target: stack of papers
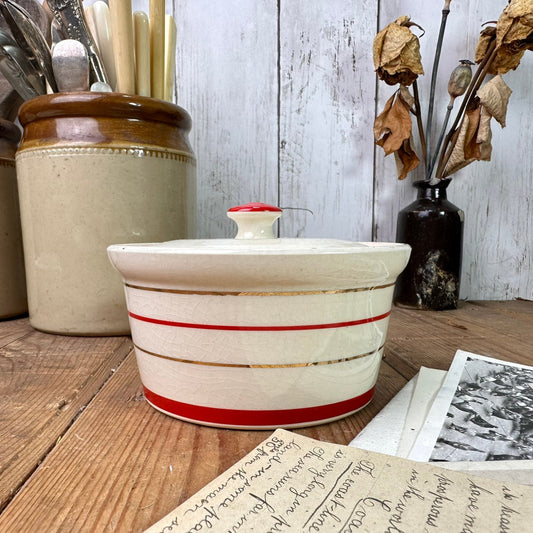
(478, 416)
(480, 410)
(294, 483)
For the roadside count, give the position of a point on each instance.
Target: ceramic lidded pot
(12, 281)
(94, 169)
(258, 332)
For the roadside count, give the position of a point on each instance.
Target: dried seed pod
(460, 78)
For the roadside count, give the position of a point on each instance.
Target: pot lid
(258, 261)
(255, 236)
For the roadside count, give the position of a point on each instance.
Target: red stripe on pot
(259, 328)
(258, 418)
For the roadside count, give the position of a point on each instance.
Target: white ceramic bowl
(258, 332)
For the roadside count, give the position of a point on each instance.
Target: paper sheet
(290, 482)
(427, 386)
(514, 471)
(383, 433)
(394, 430)
(483, 412)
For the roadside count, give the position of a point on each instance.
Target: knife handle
(141, 30)
(122, 37)
(170, 57)
(157, 47)
(102, 24)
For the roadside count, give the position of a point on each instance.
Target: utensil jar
(96, 169)
(12, 282)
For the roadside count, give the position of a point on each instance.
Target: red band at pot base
(258, 418)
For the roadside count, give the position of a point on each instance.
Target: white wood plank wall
(283, 96)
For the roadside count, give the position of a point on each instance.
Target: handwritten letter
(292, 483)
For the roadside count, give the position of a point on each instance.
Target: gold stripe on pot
(257, 293)
(238, 365)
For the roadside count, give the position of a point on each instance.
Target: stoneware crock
(258, 332)
(94, 169)
(12, 282)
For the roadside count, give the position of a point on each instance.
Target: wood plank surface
(97, 457)
(45, 382)
(123, 465)
(496, 329)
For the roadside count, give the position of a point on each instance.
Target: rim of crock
(93, 104)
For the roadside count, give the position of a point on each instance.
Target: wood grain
(45, 381)
(431, 338)
(326, 103)
(123, 465)
(97, 457)
(227, 78)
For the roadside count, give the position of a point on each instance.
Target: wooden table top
(80, 449)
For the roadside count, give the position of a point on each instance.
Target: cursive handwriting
(360, 511)
(476, 491)
(293, 484)
(439, 499)
(412, 491)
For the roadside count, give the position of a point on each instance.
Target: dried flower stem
(418, 113)
(445, 13)
(439, 143)
(475, 84)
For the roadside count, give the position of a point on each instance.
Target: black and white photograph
(484, 412)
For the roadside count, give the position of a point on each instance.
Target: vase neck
(432, 192)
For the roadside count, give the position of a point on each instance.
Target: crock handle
(254, 220)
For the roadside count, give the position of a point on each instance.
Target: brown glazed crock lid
(92, 104)
(116, 119)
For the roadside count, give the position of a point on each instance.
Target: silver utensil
(71, 18)
(101, 87)
(20, 73)
(37, 13)
(33, 77)
(30, 39)
(18, 70)
(56, 32)
(6, 39)
(10, 100)
(70, 62)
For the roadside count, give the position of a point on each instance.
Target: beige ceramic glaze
(12, 282)
(259, 332)
(95, 169)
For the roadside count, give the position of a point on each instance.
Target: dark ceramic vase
(433, 227)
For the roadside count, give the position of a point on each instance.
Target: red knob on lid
(254, 206)
(254, 220)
